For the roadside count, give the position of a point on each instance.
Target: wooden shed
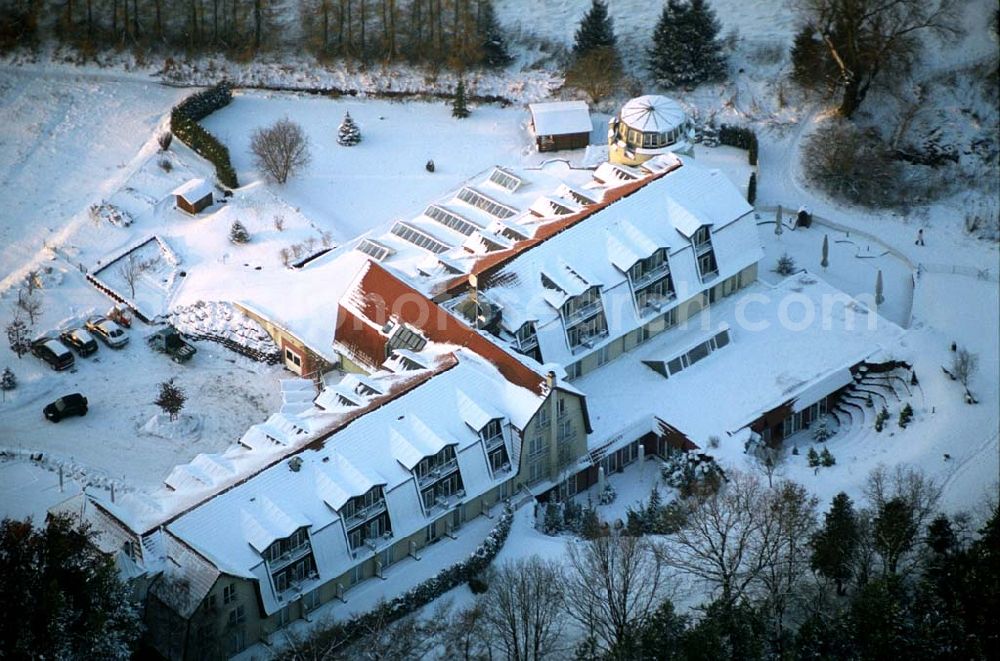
(561, 125)
(193, 196)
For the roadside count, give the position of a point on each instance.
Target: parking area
(226, 393)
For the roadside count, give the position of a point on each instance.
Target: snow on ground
(67, 138)
(28, 489)
(350, 190)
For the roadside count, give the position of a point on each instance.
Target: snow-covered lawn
(350, 190)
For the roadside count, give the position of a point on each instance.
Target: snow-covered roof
(768, 362)
(560, 117)
(193, 190)
(600, 250)
(378, 448)
(491, 217)
(652, 113)
(303, 301)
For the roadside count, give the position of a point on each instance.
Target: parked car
(110, 333)
(79, 340)
(65, 406)
(53, 352)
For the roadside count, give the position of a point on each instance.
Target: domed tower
(647, 126)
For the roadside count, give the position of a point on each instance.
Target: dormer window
(290, 561)
(652, 283)
(496, 450)
(439, 480)
(584, 320)
(708, 268)
(526, 340)
(492, 433)
(701, 237)
(366, 518)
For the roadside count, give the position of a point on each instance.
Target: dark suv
(53, 352)
(65, 406)
(80, 340)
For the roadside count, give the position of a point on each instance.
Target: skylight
(505, 179)
(418, 237)
(374, 249)
(490, 206)
(450, 219)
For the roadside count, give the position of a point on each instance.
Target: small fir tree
(752, 188)
(686, 49)
(826, 458)
(170, 399)
(7, 380)
(552, 523)
(826, 252)
(879, 297)
(905, 415)
(785, 265)
(348, 134)
(590, 524)
(238, 234)
(596, 30)
(813, 458)
(459, 108)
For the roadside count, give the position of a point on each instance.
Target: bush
(742, 138)
(608, 495)
(785, 265)
(166, 165)
(184, 120)
(822, 432)
(164, 140)
(905, 415)
(881, 419)
(854, 166)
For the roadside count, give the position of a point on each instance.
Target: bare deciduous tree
(524, 608)
(870, 40)
(729, 538)
(132, 268)
(782, 579)
(614, 585)
(467, 636)
(29, 301)
(280, 150)
(964, 365)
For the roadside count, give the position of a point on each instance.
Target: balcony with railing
(493, 442)
(289, 556)
(652, 275)
(526, 343)
(588, 340)
(366, 513)
(439, 472)
(378, 543)
(582, 313)
(703, 247)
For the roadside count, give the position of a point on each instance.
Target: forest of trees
(451, 32)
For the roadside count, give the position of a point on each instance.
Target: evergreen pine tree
(7, 380)
(170, 399)
(63, 598)
(654, 512)
(941, 536)
(826, 251)
(553, 519)
(660, 635)
(238, 233)
(686, 49)
(348, 134)
(835, 545)
(459, 108)
(590, 526)
(826, 458)
(811, 66)
(813, 458)
(492, 42)
(596, 30)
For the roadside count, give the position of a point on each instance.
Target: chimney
(550, 379)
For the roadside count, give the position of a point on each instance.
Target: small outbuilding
(193, 196)
(561, 125)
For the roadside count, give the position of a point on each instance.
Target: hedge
(419, 596)
(184, 124)
(742, 137)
